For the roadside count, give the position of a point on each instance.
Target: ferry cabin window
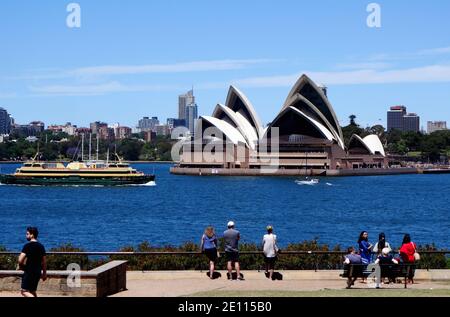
(112, 165)
(122, 165)
(27, 165)
(36, 165)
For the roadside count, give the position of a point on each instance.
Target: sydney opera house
(305, 135)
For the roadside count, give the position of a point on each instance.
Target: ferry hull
(75, 180)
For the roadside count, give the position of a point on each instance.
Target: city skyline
(56, 74)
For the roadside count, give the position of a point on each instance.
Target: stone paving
(186, 283)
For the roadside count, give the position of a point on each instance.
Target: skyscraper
(399, 119)
(191, 114)
(411, 123)
(183, 101)
(395, 118)
(148, 124)
(5, 121)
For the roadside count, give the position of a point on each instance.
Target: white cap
(230, 224)
(385, 251)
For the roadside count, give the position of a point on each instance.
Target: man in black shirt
(32, 261)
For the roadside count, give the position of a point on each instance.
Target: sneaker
(240, 278)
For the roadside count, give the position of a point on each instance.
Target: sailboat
(307, 180)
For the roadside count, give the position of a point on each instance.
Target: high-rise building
(34, 128)
(148, 124)
(5, 122)
(191, 115)
(122, 132)
(183, 101)
(433, 126)
(105, 133)
(399, 119)
(411, 123)
(395, 118)
(175, 123)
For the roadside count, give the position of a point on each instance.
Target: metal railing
(315, 263)
(141, 253)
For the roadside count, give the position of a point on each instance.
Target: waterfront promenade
(294, 283)
(302, 172)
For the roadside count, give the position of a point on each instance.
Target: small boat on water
(76, 173)
(307, 181)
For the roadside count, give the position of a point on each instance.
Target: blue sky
(132, 59)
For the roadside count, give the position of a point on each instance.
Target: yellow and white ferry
(35, 172)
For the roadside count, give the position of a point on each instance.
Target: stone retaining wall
(105, 280)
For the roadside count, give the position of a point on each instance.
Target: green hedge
(200, 262)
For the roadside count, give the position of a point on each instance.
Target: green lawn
(331, 293)
(414, 154)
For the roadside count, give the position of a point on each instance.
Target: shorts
(211, 254)
(30, 281)
(232, 256)
(270, 261)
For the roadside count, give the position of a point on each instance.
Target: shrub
(431, 261)
(60, 262)
(7, 262)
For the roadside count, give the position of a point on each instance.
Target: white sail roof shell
(227, 129)
(246, 129)
(319, 127)
(254, 119)
(374, 144)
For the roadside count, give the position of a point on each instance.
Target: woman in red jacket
(407, 251)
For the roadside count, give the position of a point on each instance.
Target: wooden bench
(102, 281)
(391, 271)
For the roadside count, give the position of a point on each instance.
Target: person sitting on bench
(352, 258)
(386, 260)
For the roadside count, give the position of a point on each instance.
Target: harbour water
(178, 208)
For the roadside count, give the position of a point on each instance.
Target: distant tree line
(60, 146)
(431, 148)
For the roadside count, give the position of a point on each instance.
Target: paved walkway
(143, 284)
(187, 283)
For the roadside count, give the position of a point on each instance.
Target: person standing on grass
(209, 248)
(33, 262)
(270, 248)
(232, 237)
